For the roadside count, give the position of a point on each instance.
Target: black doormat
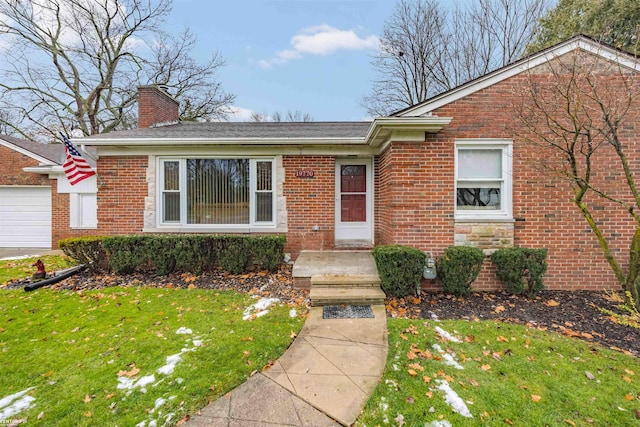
(347, 312)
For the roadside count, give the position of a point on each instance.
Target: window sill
(88, 227)
(246, 229)
(484, 219)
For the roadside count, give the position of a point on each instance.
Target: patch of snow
(15, 403)
(159, 402)
(446, 335)
(448, 359)
(184, 331)
(13, 258)
(293, 313)
(453, 400)
(434, 316)
(172, 361)
(197, 343)
(395, 367)
(259, 307)
(438, 423)
(153, 423)
(141, 424)
(179, 380)
(129, 384)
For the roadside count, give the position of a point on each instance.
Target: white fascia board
(526, 64)
(26, 152)
(54, 171)
(223, 142)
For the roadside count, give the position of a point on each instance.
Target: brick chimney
(155, 106)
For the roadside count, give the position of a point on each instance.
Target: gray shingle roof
(53, 152)
(245, 130)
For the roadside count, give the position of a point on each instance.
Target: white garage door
(25, 217)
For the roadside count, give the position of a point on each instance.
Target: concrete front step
(347, 296)
(345, 281)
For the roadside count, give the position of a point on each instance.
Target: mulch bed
(572, 313)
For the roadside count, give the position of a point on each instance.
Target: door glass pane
(354, 208)
(218, 191)
(353, 179)
(480, 164)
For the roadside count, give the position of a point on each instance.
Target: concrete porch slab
(335, 263)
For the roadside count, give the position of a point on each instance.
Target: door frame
(359, 231)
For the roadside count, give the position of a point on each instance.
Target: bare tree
(426, 50)
(289, 116)
(77, 63)
(581, 116)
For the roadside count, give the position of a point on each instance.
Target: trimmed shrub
(400, 269)
(169, 253)
(126, 253)
(234, 254)
(86, 250)
(267, 251)
(458, 267)
(521, 269)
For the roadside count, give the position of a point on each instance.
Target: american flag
(75, 167)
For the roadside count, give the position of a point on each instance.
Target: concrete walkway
(324, 378)
(14, 252)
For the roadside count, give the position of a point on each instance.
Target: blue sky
(307, 55)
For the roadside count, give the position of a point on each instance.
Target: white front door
(354, 200)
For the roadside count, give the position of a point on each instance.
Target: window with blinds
(215, 192)
(483, 179)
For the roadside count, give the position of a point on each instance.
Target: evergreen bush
(400, 269)
(521, 269)
(458, 267)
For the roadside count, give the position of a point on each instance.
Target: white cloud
(321, 40)
(240, 114)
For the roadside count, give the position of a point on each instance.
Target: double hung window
(214, 192)
(483, 180)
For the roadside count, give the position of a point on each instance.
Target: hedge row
(166, 254)
(401, 268)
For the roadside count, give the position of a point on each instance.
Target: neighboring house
(407, 179)
(25, 198)
(38, 206)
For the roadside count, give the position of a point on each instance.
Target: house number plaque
(300, 173)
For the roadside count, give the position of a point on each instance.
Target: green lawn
(18, 269)
(118, 356)
(511, 375)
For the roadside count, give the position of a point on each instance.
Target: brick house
(25, 198)
(414, 178)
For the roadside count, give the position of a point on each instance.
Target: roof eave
(218, 141)
(382, 128)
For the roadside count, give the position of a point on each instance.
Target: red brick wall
(414, 198)
(155, 106)
(545, 215)
(11, 164)
(122, 188)
(310, 202)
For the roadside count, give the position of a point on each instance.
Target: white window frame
(83, 210)
(506, 183)
(182, 162)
